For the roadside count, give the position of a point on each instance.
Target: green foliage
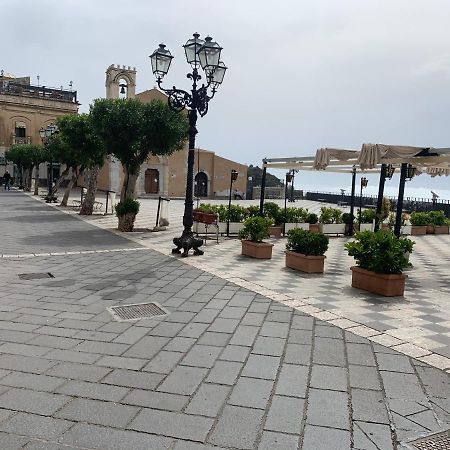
(380, 252)
(206, 208)
(367, 215)
(419, 218)
(272, 211)
(128, 206)
(347, 218)
(295, 215)
(132, 130)
(26, 155)
(253, 211)
(330, 215)
(237, 213)
(312, 218)
(436, 218)
(306, 242)
(255, 229)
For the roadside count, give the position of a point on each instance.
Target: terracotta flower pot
(314, 227)
(418, 230)
(430, 229)
(275, 231)
(126, 222)
(259, 250)
(305, 263)
(203, 217)
(389, 285)
(441, 229)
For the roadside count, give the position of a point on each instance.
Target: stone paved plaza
(236, 364)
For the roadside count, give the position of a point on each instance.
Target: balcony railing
(28, 90)
(20, 140)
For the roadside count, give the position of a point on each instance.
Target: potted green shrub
(305, 250)
(272, 211)
(380, 259)
(331, 221)
(366, 219)
(437, 223)
(349, 223)
(126, 212)
(236, 216)
(313, 220)
(255, 230)
(419, 222)
(295, 218)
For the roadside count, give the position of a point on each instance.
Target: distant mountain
(256, 173)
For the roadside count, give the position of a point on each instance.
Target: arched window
(201, 185)
(20, 130)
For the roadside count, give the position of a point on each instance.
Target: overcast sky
(303, 74)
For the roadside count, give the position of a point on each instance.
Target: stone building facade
(24, 109)
(166, 175)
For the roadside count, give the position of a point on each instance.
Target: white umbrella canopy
(324, 156)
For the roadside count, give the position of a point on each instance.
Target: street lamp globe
(219, 74)
(42, 133)
(161, 59)
(209, 55)
(191, 49)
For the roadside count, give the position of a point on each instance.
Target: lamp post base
(186, 242)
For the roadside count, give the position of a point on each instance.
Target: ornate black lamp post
(204, 54)
(46, 134)
(364, 182)
(386, 172)
(289, 178)
(233, 178)
(292, 186)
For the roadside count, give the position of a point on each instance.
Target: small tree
(132, 130)
(26, 157)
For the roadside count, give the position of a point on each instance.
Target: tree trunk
(129, 184)
(60, 180)
(69, 187)
(88, 203)
(36, 180)
(27, 179)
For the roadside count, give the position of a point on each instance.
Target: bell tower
(120, 81)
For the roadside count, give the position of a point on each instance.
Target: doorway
(152, 181)
(201, 185)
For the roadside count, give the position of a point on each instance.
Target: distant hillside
(256, 173)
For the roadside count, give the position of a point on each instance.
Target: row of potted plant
(432, 222)
(380, 256)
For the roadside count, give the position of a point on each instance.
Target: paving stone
(278, 441)
(32, 401)
(35, 426)
(329, 351)
(105, 348)
(134, 379)
(121, 363)
(302, 322)
(27, 380)
(23, 349)
(369, 406)
(180, 344)
(251, 393)
(201, 356)
(244, 335)
(259, 366)
(72, 356)
(224, 372)
(269, 346)
(360, 354)
(221, 325)
(237, 427)
(167, 329)
(329, 377)
(292, 380)
(235, 353)
(172, 424)
(402, 385)
(326, 331)
(55, 342)
(364, 377)
(98, 412)
(300, 336)
(366, 434)
(285, 415)
(102, 438)
(216, 339)
(328, 409)
(156, 400)
(183, 380)
(394, 363)
(193, 330)
(163, 362)
(319, 438)
(78, 371)
(298, 354)
(208, 400)
(96, 391)
(12, 442)
(146, 348)
(274, 329)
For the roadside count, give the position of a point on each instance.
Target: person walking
(7, 180)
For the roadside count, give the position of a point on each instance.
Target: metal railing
(20, 140)
(28, 90)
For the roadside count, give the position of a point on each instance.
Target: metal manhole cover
(137, 311)
(35, 276)
(438, 441)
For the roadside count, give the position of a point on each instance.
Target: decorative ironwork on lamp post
(233, 178)
(46, 134)
(364, 183)
(204, 54)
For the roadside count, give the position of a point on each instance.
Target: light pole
(204, 54)
(289, 177)
(46, 134)
(233, 178)
(364, 182)
(292, 186)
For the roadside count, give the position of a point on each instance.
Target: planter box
(430, 229)
(202, 217)
(259, 250)
(126, 222)
(417, 230)
(366, 226)
(332, 228)
(441, 229)
(305, 263)
(275, 231)
(292, 226)
(314, 227)
(389, 285)
(235, 227)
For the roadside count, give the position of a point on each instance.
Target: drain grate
(438, 441)
(137, 311)
(35, 276)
